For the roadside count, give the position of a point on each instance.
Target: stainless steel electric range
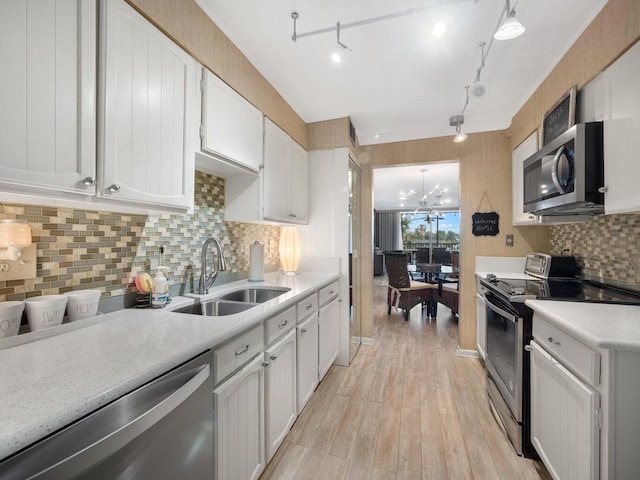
(508, 332)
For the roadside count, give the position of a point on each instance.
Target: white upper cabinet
(621, 139)
(48, 95)
(281, 192)
(518, 156)
(231, 130)
(286, 177)
(147, 133)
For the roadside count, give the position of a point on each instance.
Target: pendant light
(511, 27)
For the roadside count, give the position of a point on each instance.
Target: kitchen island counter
(49, 383)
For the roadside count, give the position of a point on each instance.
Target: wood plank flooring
(407, 408)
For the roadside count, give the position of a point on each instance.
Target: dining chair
(403, 292)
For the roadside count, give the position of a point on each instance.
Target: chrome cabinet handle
(303, 330)
(555, 342)
(603, 189)
(273, 356)
(309, 306)
(330, 292)
(242, 350)
(292, 216)
(284, 324)
(265, 364)
(115, 188)
(89, 181)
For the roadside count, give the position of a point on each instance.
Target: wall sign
(485, 224)
(560, 118)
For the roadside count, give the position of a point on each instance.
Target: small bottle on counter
(160, 292)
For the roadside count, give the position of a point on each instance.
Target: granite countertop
(50, 382)
(599, 325)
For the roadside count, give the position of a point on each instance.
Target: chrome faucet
(206, 280)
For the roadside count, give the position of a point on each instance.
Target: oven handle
(508, 315)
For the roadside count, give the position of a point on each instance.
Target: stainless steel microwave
(566, 175)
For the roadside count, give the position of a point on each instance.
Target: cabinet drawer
(276, 326)
(327, 293)
(307, 306)
(237, 352)
(582, 360)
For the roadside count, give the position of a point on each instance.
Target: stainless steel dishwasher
(162, 430)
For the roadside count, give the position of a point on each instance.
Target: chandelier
(427, 201)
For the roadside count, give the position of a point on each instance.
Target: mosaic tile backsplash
(88, 249)
(607, 247)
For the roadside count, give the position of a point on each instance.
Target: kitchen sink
(254, 295)
(216, 308)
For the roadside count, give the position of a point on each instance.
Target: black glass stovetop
(567, 289)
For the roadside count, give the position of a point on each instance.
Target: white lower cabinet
(280, 390)
(239, 424)
(328, 336)
(564, 416)
(307, 357)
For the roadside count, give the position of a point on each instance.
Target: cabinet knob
(555, 342)
(89, 181)
(528, 348)
(603, 189)
(273, 356)
(265, 364)
(115, 188)
(292, 216)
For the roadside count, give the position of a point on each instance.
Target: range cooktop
(566, 289)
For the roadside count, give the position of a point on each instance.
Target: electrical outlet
(509, 242)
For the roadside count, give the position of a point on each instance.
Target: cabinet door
(328, 336)
(280, 390)
(276, 177)
(239, 424)
(148, 133)
(232, 126)
(518, 156)
(48, 94)
(621, 127)
(307, 359)
(299, 184)
(564, 430)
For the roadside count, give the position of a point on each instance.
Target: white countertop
(49, 383)
(600, 325)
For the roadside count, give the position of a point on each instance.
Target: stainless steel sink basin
(255, 295)
(216, 308)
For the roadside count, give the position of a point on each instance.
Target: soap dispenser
(160, 292)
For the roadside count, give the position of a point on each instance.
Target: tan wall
(191, 28)
(485, 166)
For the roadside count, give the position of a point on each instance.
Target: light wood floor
(407, 408)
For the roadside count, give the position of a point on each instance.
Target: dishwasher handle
(112, 442)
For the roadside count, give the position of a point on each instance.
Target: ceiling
(399, 82)
(388, 182)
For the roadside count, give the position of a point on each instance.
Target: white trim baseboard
(467, 353)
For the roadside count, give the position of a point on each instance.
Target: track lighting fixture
(458, 120)
(511, 27)
(339, 50)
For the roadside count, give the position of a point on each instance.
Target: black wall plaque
(485, 224)
(560, 118)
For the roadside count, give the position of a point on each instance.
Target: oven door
(504, 351)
